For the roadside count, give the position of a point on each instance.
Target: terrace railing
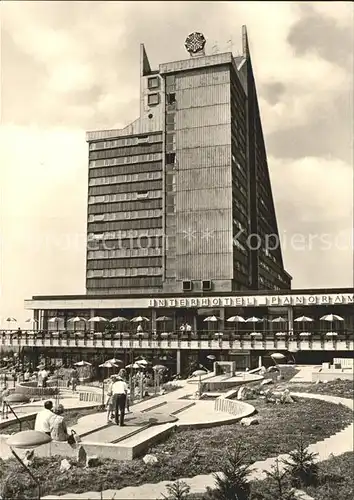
(202, 339)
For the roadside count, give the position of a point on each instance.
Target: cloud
(68, 67)
(314, 203)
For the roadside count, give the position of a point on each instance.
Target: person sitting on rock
(58, 429)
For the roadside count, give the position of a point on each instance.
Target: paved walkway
(337, 444)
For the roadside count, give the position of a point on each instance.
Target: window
(170, 158)
(153, 99)
(154, 82)
(171, 98)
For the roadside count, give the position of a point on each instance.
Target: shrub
(301, 466)
(179, 490)
(275, 486)
(233, 482)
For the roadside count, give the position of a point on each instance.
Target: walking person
(119, 392)
(74, 378)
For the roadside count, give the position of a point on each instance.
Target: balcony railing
(226, 339)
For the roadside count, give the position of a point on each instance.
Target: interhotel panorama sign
(255, 300)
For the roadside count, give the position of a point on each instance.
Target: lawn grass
(189, 452)
(337, 479)
(338, 388)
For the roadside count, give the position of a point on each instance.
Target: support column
(260, 364)
(36, 325)
(222, 319)
(92, 325)
(194, 326)
(178, 361)
(153, 321)
(291, 320)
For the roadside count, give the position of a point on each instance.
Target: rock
(81, 456)
(150, 460)
(301, 495)
(266, 381)
(285, 397)
(65, 465)
(92, 461)
(245, 393)
(247, 421)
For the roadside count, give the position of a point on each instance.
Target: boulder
(245, 393)
(81, 456)
(65, 465)
(285, 397)
(247, 421)
(266, 381)
(150, 460)
(92, 461)
(301, 495)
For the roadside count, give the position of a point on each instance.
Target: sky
(68, 67)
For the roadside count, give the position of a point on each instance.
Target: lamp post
(25, 440)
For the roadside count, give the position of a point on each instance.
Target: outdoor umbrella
(211, 319)
(331, 318)
(279, 319)
(218, 334)
(253, 320)
(303, 320)
(83, 363)
(133, 366)
(114, 361)
(33, 321)
(236, 319)
(139, 319)
(211, 357)
(108, 364)
(142, 362)
(97, 319)
(55, 320)
(331, 334)
(76, 319)
(305, 334)
(163, 320)
(281, 334)
(199, 373)
(256, 334)
(11, 320)
(159, 368)
(118, 319)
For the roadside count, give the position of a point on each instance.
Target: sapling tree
(301, 465)
(232, 483)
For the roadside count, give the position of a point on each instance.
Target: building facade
(297, 321)
(182, 230)
(180, 200)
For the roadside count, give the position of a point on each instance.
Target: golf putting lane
(136, 422)
(113, 433)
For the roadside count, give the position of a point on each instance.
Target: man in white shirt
(119, 394)
(44, 419)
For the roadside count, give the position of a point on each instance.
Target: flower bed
(190, 452)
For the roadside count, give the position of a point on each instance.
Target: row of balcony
(317, 340)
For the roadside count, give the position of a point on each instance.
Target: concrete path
(337, 444)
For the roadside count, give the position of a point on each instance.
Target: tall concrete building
(180, 200)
